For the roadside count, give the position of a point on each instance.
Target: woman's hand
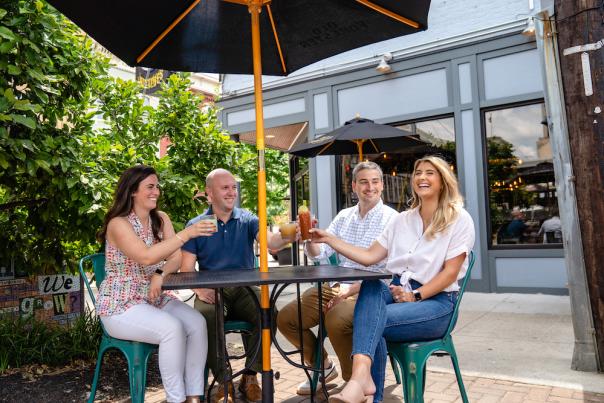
(320, 236)
(400, 295)
(155, 286)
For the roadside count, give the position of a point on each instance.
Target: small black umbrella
(360, 136)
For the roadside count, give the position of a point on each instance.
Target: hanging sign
(151, 79)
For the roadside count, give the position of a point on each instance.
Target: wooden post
(580, 23)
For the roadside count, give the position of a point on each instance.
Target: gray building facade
(471, 87)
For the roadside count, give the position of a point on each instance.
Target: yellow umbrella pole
(360, 148)
(255, 7)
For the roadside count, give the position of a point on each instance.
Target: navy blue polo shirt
(232, 247)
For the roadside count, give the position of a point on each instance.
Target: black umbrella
(360, 136)
(214, 36)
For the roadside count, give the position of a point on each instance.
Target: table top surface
(275, 275)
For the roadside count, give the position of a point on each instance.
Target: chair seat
(231, 326)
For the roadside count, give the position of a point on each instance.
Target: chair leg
(414, 379)
(462, 389)
(395, 369)
(95, 379)
(137, 376)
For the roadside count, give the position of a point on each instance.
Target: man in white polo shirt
(359, 225)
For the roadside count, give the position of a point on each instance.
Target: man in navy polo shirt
(231, 247)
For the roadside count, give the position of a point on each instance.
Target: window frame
(485, 169)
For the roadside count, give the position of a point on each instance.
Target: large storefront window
(439, 138)
(523, 207)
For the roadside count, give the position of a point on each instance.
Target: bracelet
(181, 240)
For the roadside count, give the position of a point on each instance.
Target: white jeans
(182, 336)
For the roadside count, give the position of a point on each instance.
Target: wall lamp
(383, 66)
(530, 27)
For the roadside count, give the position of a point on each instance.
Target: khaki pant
(338, 323)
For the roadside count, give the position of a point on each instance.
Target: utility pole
(579, 26)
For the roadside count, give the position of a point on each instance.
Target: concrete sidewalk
(511, 348)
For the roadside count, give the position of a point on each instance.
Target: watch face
(418, 296)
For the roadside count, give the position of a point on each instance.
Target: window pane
(439, 135)
(522, 194)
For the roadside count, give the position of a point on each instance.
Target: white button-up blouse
(410, 251)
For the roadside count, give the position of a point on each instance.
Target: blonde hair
(450, 200)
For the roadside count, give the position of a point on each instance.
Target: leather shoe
(218, 396)
(250, 388)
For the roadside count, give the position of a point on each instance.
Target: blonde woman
(427, 248)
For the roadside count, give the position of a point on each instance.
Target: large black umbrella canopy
(214, 36)
(360, 136)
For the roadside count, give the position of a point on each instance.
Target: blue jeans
(378, 318)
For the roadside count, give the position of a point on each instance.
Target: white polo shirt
(410, 251)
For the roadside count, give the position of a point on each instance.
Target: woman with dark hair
(141, 247)
(427, 248)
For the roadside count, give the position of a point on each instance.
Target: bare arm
(312, 249)
(188, 264)
(173, 262)
(364, 256)
(121, 234)
(275, 241)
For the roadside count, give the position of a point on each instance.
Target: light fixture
(383, 66)
(530, 27)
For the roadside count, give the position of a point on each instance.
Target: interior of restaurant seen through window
(522, 203)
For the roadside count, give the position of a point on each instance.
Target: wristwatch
(160, 272)
(417, 295)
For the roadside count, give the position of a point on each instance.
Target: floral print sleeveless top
(126, 282)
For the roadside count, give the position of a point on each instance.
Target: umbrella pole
(360, 148)
(255, 7)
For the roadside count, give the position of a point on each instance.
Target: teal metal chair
(137, 353)
(412, 356)
(314, 382)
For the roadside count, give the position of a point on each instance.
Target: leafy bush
(31, 341)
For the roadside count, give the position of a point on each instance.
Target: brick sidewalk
(440, 388)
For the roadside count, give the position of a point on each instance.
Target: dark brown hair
(122, 199)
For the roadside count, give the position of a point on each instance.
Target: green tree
(199, 145)
(46, 70)
(68, 130)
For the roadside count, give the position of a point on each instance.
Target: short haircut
(365, 165)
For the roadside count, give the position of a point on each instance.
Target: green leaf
(14, 70)
(2, 13)
(24, 120)
(7, 34)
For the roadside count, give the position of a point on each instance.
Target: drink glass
(211, 218)
(305, 221)
(288, 231)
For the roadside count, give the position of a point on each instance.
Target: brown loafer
(250, 388)
(218, 396)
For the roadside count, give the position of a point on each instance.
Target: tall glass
(305, 222)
